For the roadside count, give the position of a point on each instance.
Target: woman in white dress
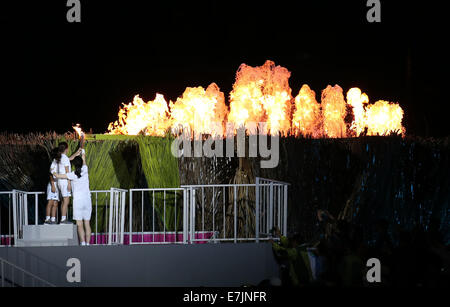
(82, 205)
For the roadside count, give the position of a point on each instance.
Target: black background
(55, 73)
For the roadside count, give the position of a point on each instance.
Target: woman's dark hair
(62, 147)
(55, 154)
(78, 163)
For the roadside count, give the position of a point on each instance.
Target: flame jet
(137, 116)
(307, 118)
(358, 100)
(262, 94)
(384, 118)
(200, 111)
(333, 112)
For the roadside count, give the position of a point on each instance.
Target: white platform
(49, 235)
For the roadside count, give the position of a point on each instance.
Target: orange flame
(77, 128)
(199, 110)
(384, 118)
(357, 100)
(260, 94)
(307, 117)
(334, 110)
(151, 117)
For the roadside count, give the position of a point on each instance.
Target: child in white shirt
(52, 190)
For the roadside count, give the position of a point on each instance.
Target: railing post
(36, 217)
(185, 215)
(270, 222)
(111, 200)
(279, 218)
(116, 216)
(25, 208)
(213, 214)
(15, 216)
(164, 220)
(285, 210)
(192, 217)
(122, 217)
(96, 217)
(130, 238)
(257, 209)
(235, 213)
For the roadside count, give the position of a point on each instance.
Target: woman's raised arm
(76, 153)
(83, 156)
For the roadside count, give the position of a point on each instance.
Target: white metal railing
(272, 195)
(161, 219)
(106, 229)
(189, 214)
(238, 212)
(116, 216)
(100, 198)
(18, 214)
(9, 277)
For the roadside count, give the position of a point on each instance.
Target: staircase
(49, 235)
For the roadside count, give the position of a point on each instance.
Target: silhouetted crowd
(338, 256)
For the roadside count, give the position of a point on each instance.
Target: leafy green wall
(119, 161)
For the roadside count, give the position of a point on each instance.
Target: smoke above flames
(262, 94)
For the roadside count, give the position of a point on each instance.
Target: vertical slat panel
(235, 214)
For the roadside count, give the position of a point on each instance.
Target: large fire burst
(262, 94)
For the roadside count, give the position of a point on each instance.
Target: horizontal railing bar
(92, 191)
(11, 192)
(19, 191)
(156, 189)
(272, 180)
(148, 243)
(162, 232)
(119, 190)
(237, 239)
(231, 185)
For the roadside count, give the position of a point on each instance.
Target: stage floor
(186, 265)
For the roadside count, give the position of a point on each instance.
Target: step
(47, 242)
(50, 232)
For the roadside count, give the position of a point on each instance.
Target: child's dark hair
(55, 154)
(78, 163)
(62, 146)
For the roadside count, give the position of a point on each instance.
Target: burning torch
(80, 133)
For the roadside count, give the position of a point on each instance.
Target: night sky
(55, 74)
